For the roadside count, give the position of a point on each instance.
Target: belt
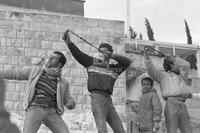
(42, 106)
(178, 98)
(101, 92)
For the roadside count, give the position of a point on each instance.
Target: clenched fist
(71, 104)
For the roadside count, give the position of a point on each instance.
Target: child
(174, 89)
(149, 108)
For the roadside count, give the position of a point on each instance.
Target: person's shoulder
(63, 80)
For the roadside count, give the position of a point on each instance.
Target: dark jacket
(149, 109)
(101, 78)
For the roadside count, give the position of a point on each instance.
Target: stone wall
(72, 7)
(26, 37)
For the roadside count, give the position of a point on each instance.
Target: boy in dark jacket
(149, 108)
(101, 79)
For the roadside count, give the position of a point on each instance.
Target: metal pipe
(82, 39)
(155, 50)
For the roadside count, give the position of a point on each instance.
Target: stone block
(15, 42)
(20, 34)
(91, 22)
(51, 36)
(9, 105)
(15, 51)
(82, 99)
(35, 43)
(6, 24)
(23, 60)
(66, 20)
(40, 35)
(2, 14)
(35, 26)
(3, 50)
(18, 106)
(29, 34)
(11, 86)
(31, 52)
(61, 28)
(76, 90)
(48, 27)
(119, 91)
(59, 46)
(52, 18)
(46, 45)
(22, 96)
(20, 25)
(20, 87)
(9, 33)
(34, 17)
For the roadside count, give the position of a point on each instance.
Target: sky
(165, 16)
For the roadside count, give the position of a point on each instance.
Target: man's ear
(59, 65)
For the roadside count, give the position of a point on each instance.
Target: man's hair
(106, 45)
(150, 80)
(167, 64)
(62, 59)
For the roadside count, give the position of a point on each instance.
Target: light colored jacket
(32, 74)
(171, 84)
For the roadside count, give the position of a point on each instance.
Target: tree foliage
(149, 30)
(132, 33)
(187, 30)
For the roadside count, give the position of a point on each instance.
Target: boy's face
(146, 86)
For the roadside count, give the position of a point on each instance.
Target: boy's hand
(66, 37)
(156, 126)
(145, 52)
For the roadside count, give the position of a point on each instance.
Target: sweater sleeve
(123, 63)
(184, 67)
(152, 71)
(157, 108)
(81, 57)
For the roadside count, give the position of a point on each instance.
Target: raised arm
(151, 70)
(184, 67)
(15, 73)
(81, 57)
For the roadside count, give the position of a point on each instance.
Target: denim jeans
(36, 115)
(104, 111)
(176, 116)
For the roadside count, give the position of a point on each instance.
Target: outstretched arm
(15, 73)
(81, 57)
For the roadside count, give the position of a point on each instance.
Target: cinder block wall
(26, 36)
